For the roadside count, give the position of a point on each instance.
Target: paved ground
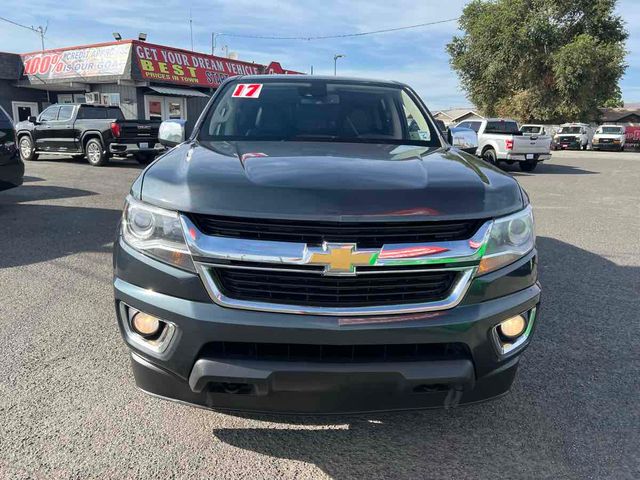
(69, 409)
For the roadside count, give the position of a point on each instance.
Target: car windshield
(570, 130)
(614, 130)
(530, 129)
(318, 110)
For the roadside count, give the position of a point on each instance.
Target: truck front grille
(313, 289)
(366, 235)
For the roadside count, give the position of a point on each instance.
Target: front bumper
(607, 146)
(187, 371)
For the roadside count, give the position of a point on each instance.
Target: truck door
(61, 130)
(42, 132)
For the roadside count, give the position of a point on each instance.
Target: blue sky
(416, 57)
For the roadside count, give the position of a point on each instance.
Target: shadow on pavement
(572, 412)
(34, 233)
(547, 168)
(113, 162)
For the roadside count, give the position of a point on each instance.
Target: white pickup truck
(500, 140)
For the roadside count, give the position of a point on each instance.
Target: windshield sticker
(247, 90)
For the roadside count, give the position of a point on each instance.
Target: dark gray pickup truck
(96, 132)
(317, 245)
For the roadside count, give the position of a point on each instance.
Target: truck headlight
(511, 238)
(156, 232)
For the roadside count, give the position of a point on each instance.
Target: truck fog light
(513, 327)
(145, 324)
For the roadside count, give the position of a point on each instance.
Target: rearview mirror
(171, 133)
(464, 139)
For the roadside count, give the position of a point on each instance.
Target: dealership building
(146, 81)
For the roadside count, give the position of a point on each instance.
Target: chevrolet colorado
(316, 245)
(96, 132)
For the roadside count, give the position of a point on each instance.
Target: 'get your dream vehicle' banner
(163, 64)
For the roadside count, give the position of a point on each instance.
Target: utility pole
(335, 62)
(41, 31)
(191, 28)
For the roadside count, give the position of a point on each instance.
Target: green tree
(545, 60)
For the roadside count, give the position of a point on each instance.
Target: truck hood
(328, 181)
(613, 136)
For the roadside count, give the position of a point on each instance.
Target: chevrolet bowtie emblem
(341, 258)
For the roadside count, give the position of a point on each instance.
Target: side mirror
(171, 132)
(464, 139)
(32, 119)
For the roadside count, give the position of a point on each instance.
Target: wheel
(489, 156)
(144, 158)
(95, 154)
(622, 148)
(27, 152)
(584, 147)
(528, 166)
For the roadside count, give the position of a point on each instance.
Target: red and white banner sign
(162, 64)
(77, 63)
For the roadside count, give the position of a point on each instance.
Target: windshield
(530, 129)
(317, 110)
(614, 130)
(570, 130)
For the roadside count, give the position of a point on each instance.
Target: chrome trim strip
(320, 272)
(454, 298)
(238, 249)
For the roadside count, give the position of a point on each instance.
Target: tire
(584, 147)
(528, 166)
(622, 148)
(27, 151)
(489, 156)
(144, 158)
(95, 153)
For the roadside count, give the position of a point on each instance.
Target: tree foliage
(545, 60)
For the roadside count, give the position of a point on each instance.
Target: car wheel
(584, 147)
(95, 154)
(489, 156)
(145, 158)
(27, 152)
(528, 166)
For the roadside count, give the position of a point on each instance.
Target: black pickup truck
(96, 132)
(317, 245)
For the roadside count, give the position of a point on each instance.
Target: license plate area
(144, 144)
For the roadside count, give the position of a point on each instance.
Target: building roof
(455, 113)
(617, 114)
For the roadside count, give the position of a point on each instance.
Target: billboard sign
(77, 63)
(172, 65)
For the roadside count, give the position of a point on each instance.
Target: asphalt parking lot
(69, 407)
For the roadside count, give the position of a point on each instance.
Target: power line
(19, 24)
(345, 35)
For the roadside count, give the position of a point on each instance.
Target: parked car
(531, 129)
(316, 245)
(11, 167)
(609, 137)
(96, 132)
(573, 136)
(500, 139)
(472, 124)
